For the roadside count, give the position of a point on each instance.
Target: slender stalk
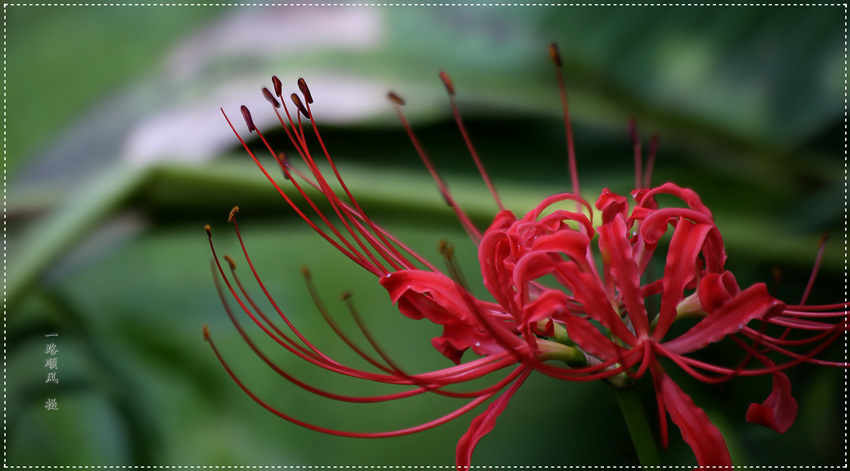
(641, 433)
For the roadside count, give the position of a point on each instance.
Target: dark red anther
(283, 161)
(555, 55)
(270, 98)
(248, 120)
(299, 105)
(302, 85)
(278, 87)
(447, 82)
(395, 98)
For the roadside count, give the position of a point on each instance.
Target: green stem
(642, 438)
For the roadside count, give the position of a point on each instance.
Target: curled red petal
(655, 222)
(588, 292)
(699, 433)
(528, 268)
(556, 219)
(680, 270)
(551, 304)
(434, 296)
(716, 289)
(442, 294)
(496, 259)
(502, 221)
(687, 195)
(779, 410)
(731, 317)
(588, 337)
(617, 255)
(452, 350)
(611, 204)
(484, 423)
(570, 243)
(551, 200)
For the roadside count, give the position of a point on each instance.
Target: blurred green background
(117, 155)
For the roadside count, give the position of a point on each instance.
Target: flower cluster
(569, 289)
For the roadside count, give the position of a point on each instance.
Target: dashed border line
(4, 235)
(438, 467)
(844, 5)
(846, 275)
(845, 238)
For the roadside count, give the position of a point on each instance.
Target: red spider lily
(569, 295)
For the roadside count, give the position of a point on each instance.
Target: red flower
(593, 324)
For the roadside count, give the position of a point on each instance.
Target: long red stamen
(395, 433)
(469, 371)
(349, 250)
(269, 296)
(817, 311)
(815, 268)
(294, 380)
(467, 224)
(284, 195)
(481, 170)
(427, 382)
(257, 310)
(650, 162)
(345, 217)
(386, 235)
(556, 59)
(296, 139)
(285, 341)
(384, 244)
(416, 379)
(446, 375)
(300, 142)
(633, 135)
(317, 301)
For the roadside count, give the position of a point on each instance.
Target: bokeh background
(117, 155)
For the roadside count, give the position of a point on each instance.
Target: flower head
(569, 286)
